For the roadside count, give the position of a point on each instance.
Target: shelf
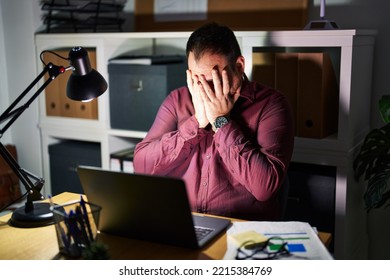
(353, 61)
(127, 133)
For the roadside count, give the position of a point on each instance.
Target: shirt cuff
(189, 129)
(227, 135)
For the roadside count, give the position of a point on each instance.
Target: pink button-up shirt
(235, 172)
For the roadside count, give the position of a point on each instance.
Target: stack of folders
(122, 160)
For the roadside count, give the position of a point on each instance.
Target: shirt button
(208, 156)
(204, 184)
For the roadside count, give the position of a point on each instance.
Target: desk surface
(41, 243)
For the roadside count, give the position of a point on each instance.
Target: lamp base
(40, 216)
(321, 25)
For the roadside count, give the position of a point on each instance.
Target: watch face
(221, 121)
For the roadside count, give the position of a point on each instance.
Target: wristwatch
(221, 121)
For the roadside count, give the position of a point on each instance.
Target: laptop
(147, 207)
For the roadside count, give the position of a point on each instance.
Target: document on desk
(302, 241)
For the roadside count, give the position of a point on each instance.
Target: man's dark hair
(216, 39)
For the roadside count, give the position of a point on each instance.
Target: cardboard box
(238, 15)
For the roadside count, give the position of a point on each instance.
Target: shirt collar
(247, 89)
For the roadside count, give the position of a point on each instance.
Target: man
(229, 139)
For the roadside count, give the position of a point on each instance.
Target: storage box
(238, 15)
(65, 157)
(137, 91)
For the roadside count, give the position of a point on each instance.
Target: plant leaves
(376, 144)
(373, 162)
(377, 193)
(384, 108)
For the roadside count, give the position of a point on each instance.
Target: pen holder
(76, 227)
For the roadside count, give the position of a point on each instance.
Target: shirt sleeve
(260, 164)
(170, 140)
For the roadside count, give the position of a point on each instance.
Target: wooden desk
(41, 243)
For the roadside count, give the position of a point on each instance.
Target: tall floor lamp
(84, 84)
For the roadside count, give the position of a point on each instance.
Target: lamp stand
(40, 215)
(322, 23)
(85, 81)
(33, 214)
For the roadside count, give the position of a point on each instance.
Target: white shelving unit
(356, 52)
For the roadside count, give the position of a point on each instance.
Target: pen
(60, 231)
(74, 230)
(80, 220)
(84, 210)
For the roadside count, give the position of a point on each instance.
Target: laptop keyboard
(202, 232)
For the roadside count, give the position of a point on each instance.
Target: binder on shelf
(286, 79)
(53, 101)
(309, 82)
(317, 100)
(122, 160)
(263, 68)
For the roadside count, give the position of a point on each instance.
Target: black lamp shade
(84, 83)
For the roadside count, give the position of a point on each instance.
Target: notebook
(147, 207)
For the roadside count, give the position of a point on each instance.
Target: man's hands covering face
(211, 99)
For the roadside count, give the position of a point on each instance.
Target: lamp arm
(11, 114)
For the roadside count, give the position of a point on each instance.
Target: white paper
(128, 166)
(300, 234)
(115, 164)
(180, 10)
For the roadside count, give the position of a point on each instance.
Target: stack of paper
(302, 240)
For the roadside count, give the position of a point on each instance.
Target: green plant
(373, 161)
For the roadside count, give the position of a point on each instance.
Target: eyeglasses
(273, 248)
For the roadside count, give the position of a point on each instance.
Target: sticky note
(253, 239)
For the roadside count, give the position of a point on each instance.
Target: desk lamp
(322, 23)
(84, 84)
